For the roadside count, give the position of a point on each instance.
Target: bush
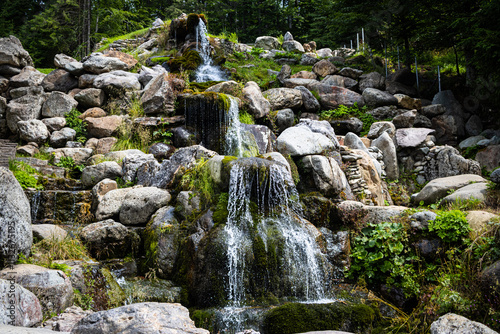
(344, 112)
(450, 226)
(76, 124)
(25, 175)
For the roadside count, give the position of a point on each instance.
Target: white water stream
(207, 70)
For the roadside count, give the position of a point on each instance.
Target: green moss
(298, 318)
(203, 319)
(159, 60)
(221, 212)
(190, 60)
(116, 296)
(227, 159)
(192, 21)
(202, 86)
(293, 168)
(246, 118)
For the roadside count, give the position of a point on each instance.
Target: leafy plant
(246, 118)
(76, 124)
(256, 51)
(25, 174)
(450, 226)
(288, 54)
(343, 112)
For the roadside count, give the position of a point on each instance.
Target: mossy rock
(301, 318)
(202, 86)
(193, 20)
(318, 209)
(190, 60)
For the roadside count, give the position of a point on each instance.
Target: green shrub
(25, 174)
(344, 112)
(450, 226)
(76, 124)
(256, 51)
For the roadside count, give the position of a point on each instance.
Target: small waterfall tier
(207, 70)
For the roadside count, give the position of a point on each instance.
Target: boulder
(79, 155)
(378, 128)
(109, 204)
(376, 98)
(307, 138)
(323, 68)
(29, 76)
(25, 108)
(161, 151)
(344, 126)
(65, 321)
(58, 104)
(60, 60)
(411, 137)
(119, 156)
(331, 97)
(8, 70)
(456, 324)
(95, 112)
(448, 162)
(328, 178)
(117, 82)
(371, 80)
(439, 188)
(433, 110)
(453, 109)
(406, 102)
(353, 213)
(259, 135)
(140, 203)
(59, 80)
(470, 142)
(25, 311)
(447, 129)
(420, 220)
(324, 53)
(294, 82)
(309, 58)
(398, 88)
(309, 101)
(103, 126)
(101, 189)
(86, 80)
(489, 157)
(90, 97)
(128, 59)
(339, 81)
(16, 93)
(52, 287)
(258, 106)
(291, 46)
(284, 74)
(282, 98)
(147, 74)
(304, 75)
(48, 231)
(105, 145)
(102, 64)
(284, 119)
(33, 131)
(91, 175)
(495, 176)
(481, 221)
(227, 87)
(352, 73)
(13, 54)
(267, 43)
(131, 163)
(385, 143)
(107, 239)
(158, 96)
(146, 318)
(405, 120)
(61, 137)
(475, 192)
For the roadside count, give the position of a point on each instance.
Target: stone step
(7, 152)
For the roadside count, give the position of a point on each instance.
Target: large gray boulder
(117, 82)
(107, 239)
(25, 311)
(25, 108)
(331, 97)
(145, 318)
(13, 54)
(371, 80)
(158, 96)
(90, 97)
(328, 178)
(61, 137)
(59, 80)
(439, 188)
(385, 143)
(453, 109)
(411, 137)
(282, 98)
(267, 43)
(101, 64)
(52, 287)
(307, 138)
(58, 104)
(378, 128)
(131, 163)
(140, 203)
(456, 324)
(293, 46)
(60, 60)
(258, 106)
(54, 123)
(339, 81)
(147, 74)
(48, 231)
(323, 68)
(353, 212)
(109, 204)
(102, 127)
(449, 162)
(474, 191)
(33, 131)
(28, 77)
(377, 98)
(91, 175)
(310, 103)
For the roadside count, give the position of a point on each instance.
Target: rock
(33, 131)
(453, 109)
(406, 102)
(376, 98)
(90, 97)
(470, 142)
(75, 68)
(29, 76)
(52, 287)
(25, 108)
(91, 175)
(323, 68)
(140, 203)
(86, 80)
(371, 80)
(475, 192)
(399, 88)
(420, 220)
(29, 150)
(128, 59)
(433, 110)
(58, 104)
(105, 145)
(102, 64)
(344, 126)
(339, 81)
(147, 74)
(456, 324)
(474, 126)
(324, 53)
(59, 80)
(304, 75)
(79, 155)
(16, 93)
(307, 138)
(107, 239)
(48, 231)
(383, 113)
(284, 119)
(101, 189)
(267, 43)
(13, 54)
(326, 173)
(282, 98)
(411, 137)
(60, 138)
(65, 321)
(60, 60)
(8, 70)
(103, 126)
(161, 151)
(353, 212)
(146, 318)
(188, 202)
(158, 96)
(405, 120)
(288, 36)
(481, 221)
(439, 188)
(117, 82)
(308, 59)
(258, 106)
(310, 103)
(292, 46)
(495, 176)
(310, 47)
(354, 142)
(25, 311)
(386, 145)
(422, 122)
(95, 112)
(489, 157)
(226, 87)
(331, 97)
(259, 135)
(378, 128)
(351, 73)
(119, 156)
(295, 82)
(110, 204)
(447, 129)
(131, 163)
(449, 162)
(284, 74)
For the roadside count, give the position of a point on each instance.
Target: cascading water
(264, 209)
(234, 145)
(207, 71)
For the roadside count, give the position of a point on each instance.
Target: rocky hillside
(129, 178)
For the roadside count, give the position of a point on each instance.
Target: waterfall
(234, 145)
(207, 70)
(264, 210)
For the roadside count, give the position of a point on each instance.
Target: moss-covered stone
(221, 212)
(189, 61)
(298, 318)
